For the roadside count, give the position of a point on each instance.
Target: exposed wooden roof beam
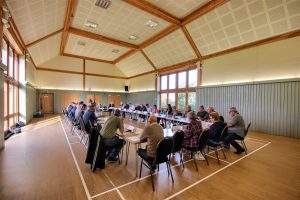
(291, 34)
(142, 74)
(157, 37)
(101, 38)
(87, 58)
(145, 6)
(15, 29)
(44, 38)
(15, 38)
(203, 10)
(67, 24)
(148, 59)
(125, 55)
(192, 43)
(176, 67)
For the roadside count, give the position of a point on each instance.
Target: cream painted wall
(30, 73)
(57, 80)
(64, 63)
(102, 68)
(278, 60)
(142, 83)
(95, 83)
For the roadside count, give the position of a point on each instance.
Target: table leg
(136, 161)
(127, 151)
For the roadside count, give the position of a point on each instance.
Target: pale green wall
(149, 97)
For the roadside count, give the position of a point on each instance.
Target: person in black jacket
(216, 128)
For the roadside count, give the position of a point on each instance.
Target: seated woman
(192, 131)
(216, 128)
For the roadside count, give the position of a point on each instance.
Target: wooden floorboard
(38, 164)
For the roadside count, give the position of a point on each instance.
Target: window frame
(177, 90)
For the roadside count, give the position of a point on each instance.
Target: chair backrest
(81, 124)
(202, 140)
(164, 148)
(223, 133)
(178, 139)
(247, 129)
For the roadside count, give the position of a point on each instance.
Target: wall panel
(149, 97)
(271, 107)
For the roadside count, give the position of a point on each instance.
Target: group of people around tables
(153, 132)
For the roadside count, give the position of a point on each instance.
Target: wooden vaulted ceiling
(187, 31)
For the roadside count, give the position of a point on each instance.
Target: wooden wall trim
(154, 10)
(44, 38)
(284, 36)
(67, 24)
(203, 10)
(83, 75)
(87, 58)
(177, 67)
(191, 41)
(101, 38)
(148, 59)
(105, 76)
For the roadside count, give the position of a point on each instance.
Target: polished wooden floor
(46, 162)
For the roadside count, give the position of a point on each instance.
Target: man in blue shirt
(89, 115)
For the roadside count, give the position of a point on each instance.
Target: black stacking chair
(218, 143)
(163, 150)
(241, 140)
(201, 144)
(178, 139)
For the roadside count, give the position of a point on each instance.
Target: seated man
(152, 133)
(78, 110)
(89, 115)
(202, 114)
(236, 130)
(109, 133)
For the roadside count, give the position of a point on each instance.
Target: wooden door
(95, 98)
(67, 98)
(46, 103)
(116, 100)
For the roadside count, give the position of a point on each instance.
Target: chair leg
(152, 180)
(181, 158)
(244, 145)
(205, 157)
(195, 161)
(141, 168)
(158, 168)
(169, 167)
(217, 155)
(223, 152)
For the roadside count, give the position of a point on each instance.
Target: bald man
(152, 133)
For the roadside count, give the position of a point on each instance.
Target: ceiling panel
(170, 50)
(37, 18)
(242, 21)
(45, 50)
(93, 48)
(179, 8)
(135, 64)
(119, 21)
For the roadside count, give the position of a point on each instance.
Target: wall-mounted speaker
(126, 88)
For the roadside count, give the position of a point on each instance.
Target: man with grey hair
(236, 130)
(152, 133)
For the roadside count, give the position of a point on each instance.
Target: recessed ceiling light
(81, 43)
(151, 23)
(115, 51)
(91, 24)
(133, 37)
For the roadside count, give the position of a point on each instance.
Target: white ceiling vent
(103, 3)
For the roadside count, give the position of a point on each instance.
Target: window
(179, 89)
(182, 80)
(163, 100)
(164, 82)
(172, 81)
(11, 84)
(193, 78)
